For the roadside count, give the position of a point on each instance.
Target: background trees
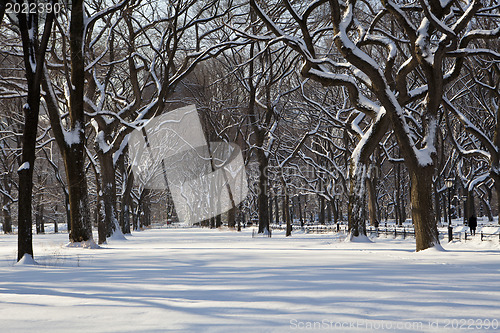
(401, 59)
(348, 109)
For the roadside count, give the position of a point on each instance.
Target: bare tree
(475, 126)
(10, 144)
(34, 48)
(428, 42)
(119, 106)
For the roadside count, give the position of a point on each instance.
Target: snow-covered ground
(201, 280)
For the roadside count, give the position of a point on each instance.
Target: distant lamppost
(449, 185)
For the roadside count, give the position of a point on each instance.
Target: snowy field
(201, 280)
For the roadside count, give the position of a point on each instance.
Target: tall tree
(71, 141)
(153, 79)
(429, 45)
(34, 57)
(475, 106)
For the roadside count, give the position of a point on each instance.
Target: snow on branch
(402, 18)
(471, 52)
(481, 34)
(8, 195)
(436, 22)
(477, 180)
(72, 136)
(363, 148)
(97, 16)
(360, 101)
(24, 166)
(467, 16)
(471, 128)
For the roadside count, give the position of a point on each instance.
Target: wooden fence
(404, 231)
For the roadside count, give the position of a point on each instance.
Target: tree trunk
(42, 219)
(276, 210)
(423, 217)
(25, 236)
(497, 188)
(321, 218)
(126, 189)
(358, 172)
(67, 210)
(299, 206)
(470, 207)
(34, 56)
(231, 218)
(37, 219)
(496, 179)
(487, 206)
(171, 213)
(56, 226)
(263, 198)
(286, 214)
(397, 202)
(488, 203)
(145, 217)
(74, 152)
(99, 212)
(260, 136)
(31, 110)
(137, 217)
(107, 221)
(336, 210)
(40, 227)
(437, 204)
(7, 217)
(242, 220)
(38, 212)
(25, 171)
(6, 202)
(126, 202)
(329, 211)
(270, 210)
(74, 163)
(372, 201)
(356, 210)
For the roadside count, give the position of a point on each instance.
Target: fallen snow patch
(436, 248)
(117, 235)
(209, 280)
(26, 260)
(90, 244)
(358, 239)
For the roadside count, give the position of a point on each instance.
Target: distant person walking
(473, 224)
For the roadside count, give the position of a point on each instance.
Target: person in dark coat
(473, 224)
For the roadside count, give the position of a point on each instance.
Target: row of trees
(366, 106)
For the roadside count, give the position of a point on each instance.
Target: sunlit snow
(202, 280)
